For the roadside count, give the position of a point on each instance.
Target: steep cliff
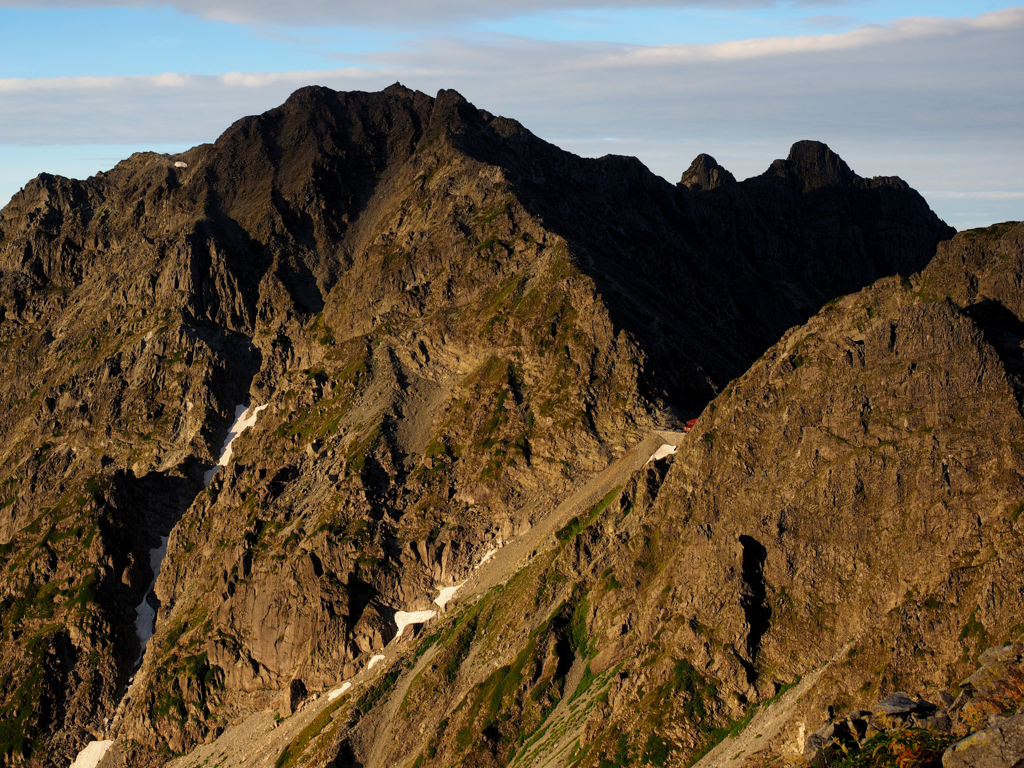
(843, 522)
(450, 322)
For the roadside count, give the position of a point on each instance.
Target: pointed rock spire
(705, 173)
(817, 166)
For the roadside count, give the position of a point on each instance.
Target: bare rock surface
(766, 560)
(1001, 746)
(450, 325)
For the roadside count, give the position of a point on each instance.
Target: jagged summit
(298, 190)
(705, 173)
(817, 166)
(451, 322)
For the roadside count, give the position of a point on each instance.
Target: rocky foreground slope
(451, 323)
(843, 526)
(843, 523)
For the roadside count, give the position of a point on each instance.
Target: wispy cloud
(175, 80)
(982, 195)
(171, 107)
(394, 13)
(901, 31)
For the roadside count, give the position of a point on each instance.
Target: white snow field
(405, 618)
(145, 617)
(661, 453)
(372, 662)
(487, 556)
(243, 420)
(338, 691)
(92, 754)
(446, 594)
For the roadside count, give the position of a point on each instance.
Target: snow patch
(487, 556)
(338, 691)
(379, 657)
(404, 619)
(661, 453)
(145, 614)
(446, 594)
(92, 754)
(245, 417)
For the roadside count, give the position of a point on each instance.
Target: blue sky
(101, 40)
(931, 91)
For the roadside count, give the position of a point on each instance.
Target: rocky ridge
(754, 570)
(989, 707)
(450, 322)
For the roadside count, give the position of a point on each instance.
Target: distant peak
(397, 89)
(310, 93)
(705, 173)
(317, 96)
(818, 166)
(453, 113)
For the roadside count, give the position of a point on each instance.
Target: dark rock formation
(874, 454)
(705, 173)
(450, 322)
(1001, 746)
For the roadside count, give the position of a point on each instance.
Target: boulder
(1001, 746)
(857, 722)
(294, 693)
(900, 703)
(375, 629)
(937, 721)
(821, 741)
(998, 654)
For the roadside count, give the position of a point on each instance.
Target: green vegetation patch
(580, 523)
(903, 748)
(380, 689)
(292, 754)
(974, 630)
(20, 711)
(514, 702)
(187, 684)
(992, 232)
(649, 744)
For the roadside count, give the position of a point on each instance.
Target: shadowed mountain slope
(844, 518)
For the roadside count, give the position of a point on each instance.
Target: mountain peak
(705, 173)
(448, 326)
(817, 166)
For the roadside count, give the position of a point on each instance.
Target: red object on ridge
(689, 425)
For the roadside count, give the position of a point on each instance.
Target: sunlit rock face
(440, 325)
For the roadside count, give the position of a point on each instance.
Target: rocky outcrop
(1001, 746)
(988, 708)
(705, 173)
(450, 322)
(769, 553)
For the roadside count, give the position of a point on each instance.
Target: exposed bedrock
(450, 322)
